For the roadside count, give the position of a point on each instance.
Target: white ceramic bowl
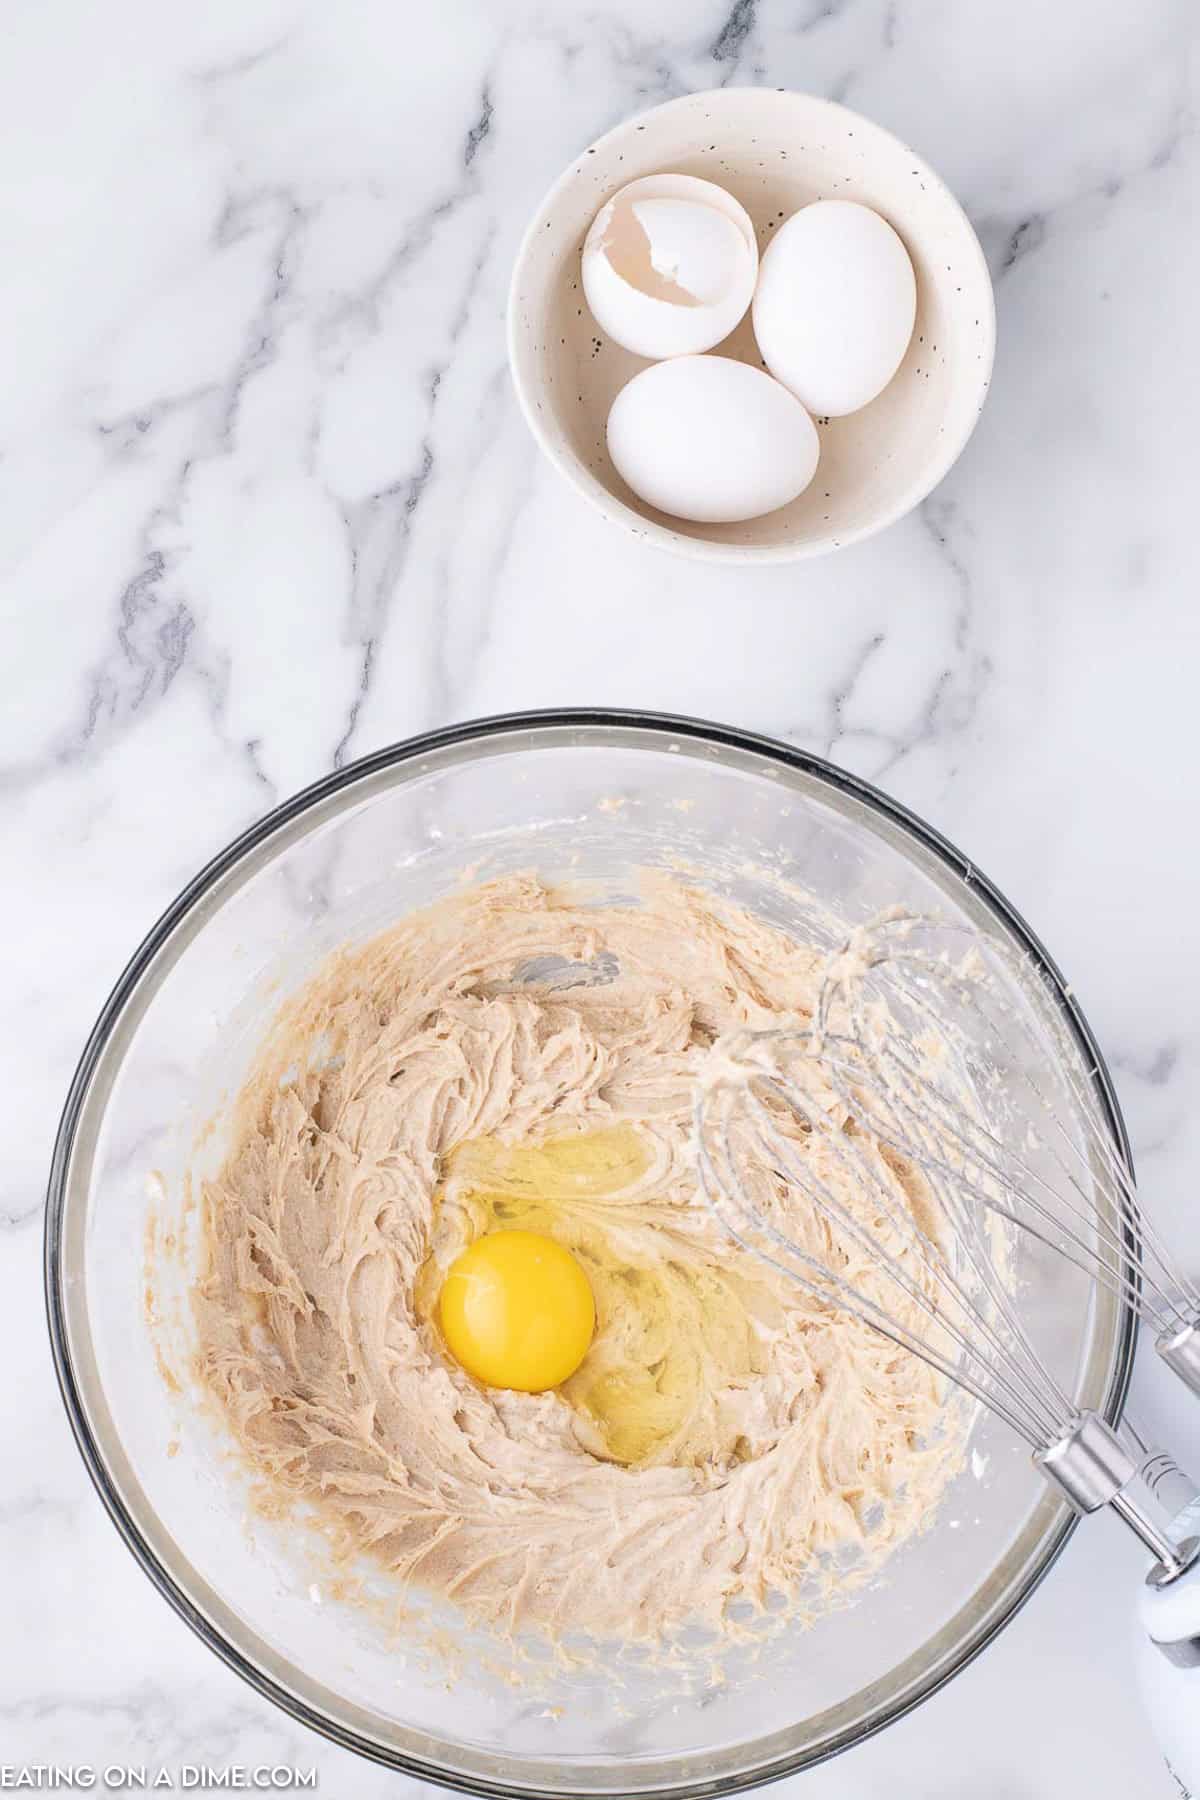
(775, 151)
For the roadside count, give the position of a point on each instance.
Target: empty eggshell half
(710, 439)
(835, 306)
(669, 265)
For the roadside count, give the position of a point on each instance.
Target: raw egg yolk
(517, 1311)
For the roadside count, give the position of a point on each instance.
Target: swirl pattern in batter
(728, 1438)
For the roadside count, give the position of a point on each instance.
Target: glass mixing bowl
(593, 795)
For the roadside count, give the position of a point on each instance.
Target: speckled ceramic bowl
(775, 151)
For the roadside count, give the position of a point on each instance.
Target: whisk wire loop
(1085, 1203)
(890, 1152)
(971, 1332)
(825, 1285)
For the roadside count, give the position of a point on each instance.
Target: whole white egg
(835, 306)
(669, 265)
(706, 438)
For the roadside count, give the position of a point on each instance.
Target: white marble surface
(266, 503)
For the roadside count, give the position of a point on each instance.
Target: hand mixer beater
(887, 1153)
(1065, 1183)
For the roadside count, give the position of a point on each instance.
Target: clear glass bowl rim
(342, 786)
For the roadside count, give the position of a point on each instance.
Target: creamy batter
(729, 1438)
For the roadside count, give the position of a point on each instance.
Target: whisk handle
(1180, 1350)
(1093, 1468)
(1161, 1504)
(1168, 1663)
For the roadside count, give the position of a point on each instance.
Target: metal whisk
(823, 1151)
(1046, 1163)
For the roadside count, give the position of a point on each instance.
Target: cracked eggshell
(669, 265)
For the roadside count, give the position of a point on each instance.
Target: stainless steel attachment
(884, 1154)
(976, 1019)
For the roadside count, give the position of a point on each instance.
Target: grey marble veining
(266, 503)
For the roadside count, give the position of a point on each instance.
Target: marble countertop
(266, 503)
